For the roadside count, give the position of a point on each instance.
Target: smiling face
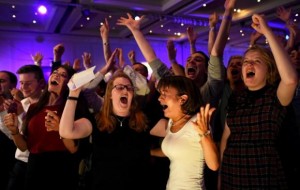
(58, 81)
(30, 86)
(121, 95)
(254, 70)
(195, 66)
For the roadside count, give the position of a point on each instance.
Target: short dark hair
(12, 77)
(37, 70)
(184, 86)
(205, 57)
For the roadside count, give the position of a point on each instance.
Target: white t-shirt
(186, 158)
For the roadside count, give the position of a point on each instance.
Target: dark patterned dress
(251, 159)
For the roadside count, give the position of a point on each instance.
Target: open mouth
(124, 100)
(164, 107)
(54, 82)
(250, 74)
(191, 71)
(235, 72)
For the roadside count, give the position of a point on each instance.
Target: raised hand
(121, 58)
(58, 51)
(283, 14)
(171, 50)
(203, 120)
(104, 31)
(191, 34)
(87, 62)
(213, 19)
(259, 24)
(130, 22)
(37, 58)
(77, 65)
(254, 37)
(131, 56)
(110, 64)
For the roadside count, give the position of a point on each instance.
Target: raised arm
(213, 20)
(211, 153)
(287, 72)
(172, 57)
(131, 57)
(104, 33)
(134, 27)
(192, 37)
(223, 33)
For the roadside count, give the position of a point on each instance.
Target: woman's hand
(203, 119)
(130, 22)
(52, 121)
(10, 120)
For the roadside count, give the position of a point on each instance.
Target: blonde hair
(268, 58)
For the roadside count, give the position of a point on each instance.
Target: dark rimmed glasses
(121, 87)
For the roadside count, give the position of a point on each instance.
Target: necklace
(121, 121)
(176, 122)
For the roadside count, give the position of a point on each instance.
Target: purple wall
(16, 49)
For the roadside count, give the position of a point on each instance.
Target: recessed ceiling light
(101, 23)
(87, 18)
(14, 16)
(13, 6)
(258, 1)
(162, 26)
(296, 14)
(204, 5)
(42, 9)
(81, 25)
(34, 21)
(150, 31)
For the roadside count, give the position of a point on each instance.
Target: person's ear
(183, 99)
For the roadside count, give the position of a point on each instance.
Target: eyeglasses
(64, 75)
(121, 87)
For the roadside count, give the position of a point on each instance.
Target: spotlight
(137, 18)
(42, 9)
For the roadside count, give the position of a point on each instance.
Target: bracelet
(105, 43)
(72, 98)
(205, 134)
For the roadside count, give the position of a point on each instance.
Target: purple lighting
(42, 9)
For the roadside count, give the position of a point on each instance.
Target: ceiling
(164, 18)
